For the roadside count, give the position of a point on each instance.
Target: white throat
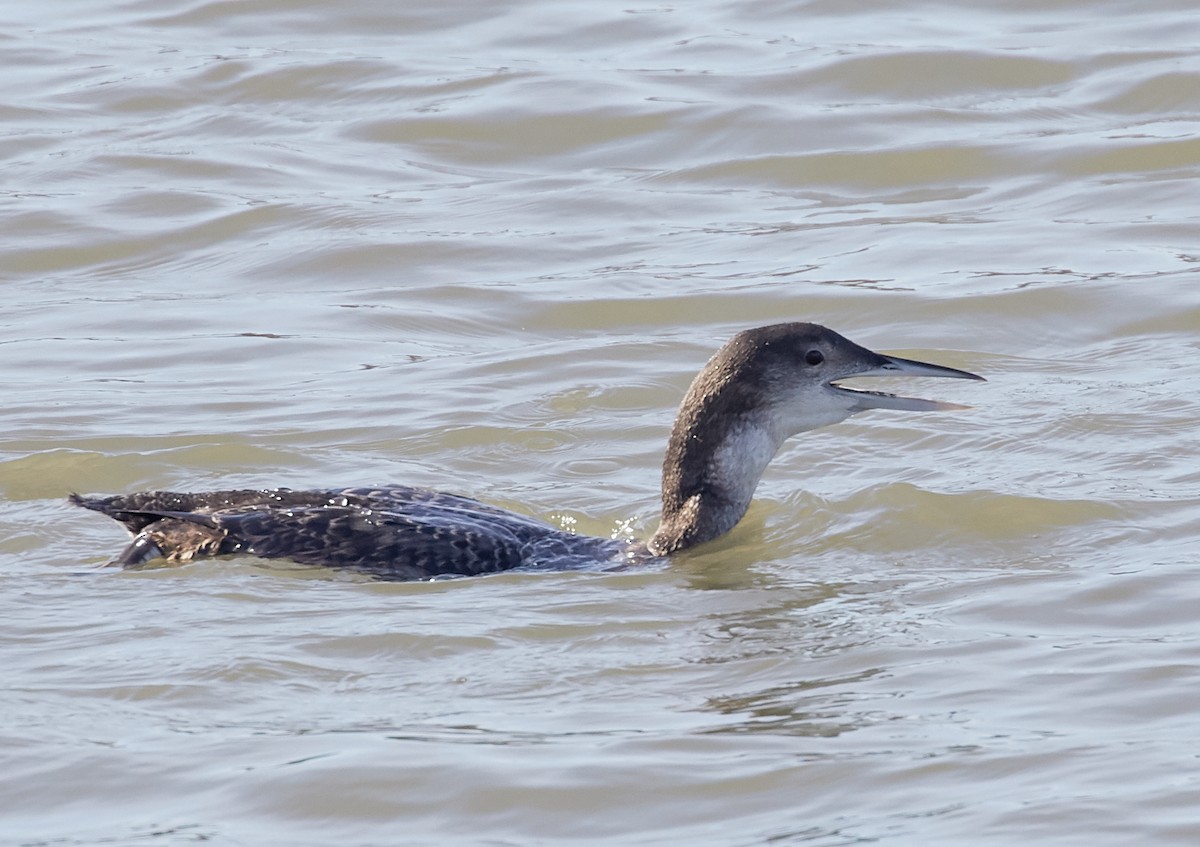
(739, 462)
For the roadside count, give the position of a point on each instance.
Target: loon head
(762, 387)
(788, 376)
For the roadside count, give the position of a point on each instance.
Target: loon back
(762, 387)
(398, 533)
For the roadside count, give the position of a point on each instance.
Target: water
(485, 248)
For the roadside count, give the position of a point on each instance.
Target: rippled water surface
(484, 247)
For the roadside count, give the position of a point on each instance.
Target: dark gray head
(765, 385)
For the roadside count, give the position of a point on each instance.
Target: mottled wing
(398, 532)
(142, 508)
(397, 546)
(396, 498)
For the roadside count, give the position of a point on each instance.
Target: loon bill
(762, 387)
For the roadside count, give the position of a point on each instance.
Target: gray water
(484, 248)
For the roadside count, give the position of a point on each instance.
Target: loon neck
(707, 489)
(724, 436)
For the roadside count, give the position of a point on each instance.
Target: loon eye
(814, 357)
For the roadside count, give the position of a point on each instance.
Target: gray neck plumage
(725, 435)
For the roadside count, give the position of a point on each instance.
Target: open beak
(895, 366)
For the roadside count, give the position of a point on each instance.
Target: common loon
(763, 386)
